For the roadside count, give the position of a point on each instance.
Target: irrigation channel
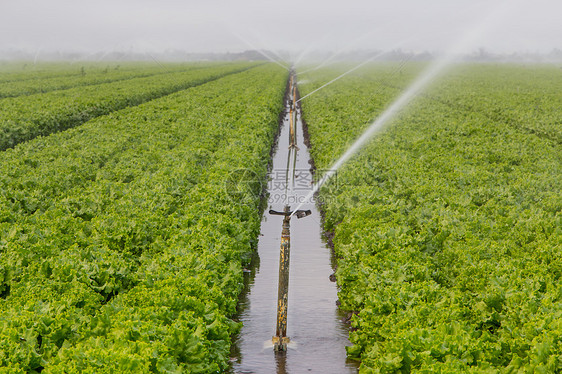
(315, 326)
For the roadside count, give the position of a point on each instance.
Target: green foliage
(448, 226)
(120, 250)
(20, 78)
(26, 117)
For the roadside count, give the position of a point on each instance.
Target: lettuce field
(448, 225)
(122, 250)
(119, 250)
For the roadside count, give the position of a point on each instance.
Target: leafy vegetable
(120, 249)
(26, 117)
(448, 226)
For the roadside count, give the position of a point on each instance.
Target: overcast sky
(219, 25)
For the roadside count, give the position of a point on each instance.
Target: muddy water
(314, 323)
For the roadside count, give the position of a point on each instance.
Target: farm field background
(122, 250)
(448, 225)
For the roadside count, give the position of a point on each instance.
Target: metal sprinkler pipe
(293, 112)
(280, 340)
(291, 128)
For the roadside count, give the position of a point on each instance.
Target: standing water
(315, 325)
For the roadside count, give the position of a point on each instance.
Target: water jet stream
(158, 62)
(261, 52)
(307, 50)
(340, 51)
(436, 69)
(343, 75)
(36, 55)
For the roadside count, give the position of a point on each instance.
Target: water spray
(259, 35)
(431, 73)
(157, 62)
(36, 57)
(261, 52)
(343, 75)
(327, 37)
(339, 51)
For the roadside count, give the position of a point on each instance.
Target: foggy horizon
(297, 28)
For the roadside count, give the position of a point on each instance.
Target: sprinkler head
(303, 213)
(299, 213)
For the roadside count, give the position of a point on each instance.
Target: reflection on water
(314, 324)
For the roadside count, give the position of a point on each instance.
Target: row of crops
(120, 250)
(41, 73)
(448, 225)
(24, 117)
(82, 77)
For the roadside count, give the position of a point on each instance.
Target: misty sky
(218, 25)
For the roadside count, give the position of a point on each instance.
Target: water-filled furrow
(315, 326)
